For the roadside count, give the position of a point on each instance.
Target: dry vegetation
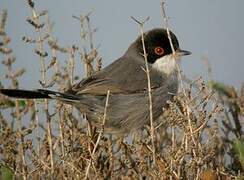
(200, 135)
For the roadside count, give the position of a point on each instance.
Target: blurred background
(211, 29)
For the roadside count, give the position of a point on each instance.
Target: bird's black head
(157, 45)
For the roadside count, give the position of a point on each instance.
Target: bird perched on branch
(126, 79)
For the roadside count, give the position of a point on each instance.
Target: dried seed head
(31, 3)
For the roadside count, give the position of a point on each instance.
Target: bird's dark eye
(159, 50)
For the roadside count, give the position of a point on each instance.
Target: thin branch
(43, 83)
(165, 18)
(188, 109)
(99, 136)
(152, 130)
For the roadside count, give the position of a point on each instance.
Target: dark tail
(39, 94)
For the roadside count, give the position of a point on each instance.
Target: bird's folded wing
(101, 87)
(124, 76)
(96, 86)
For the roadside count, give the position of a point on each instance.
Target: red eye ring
(159, 50)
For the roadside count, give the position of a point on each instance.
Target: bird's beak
(180, 52)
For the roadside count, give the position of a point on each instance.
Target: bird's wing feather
(126, 75)
(97, 86)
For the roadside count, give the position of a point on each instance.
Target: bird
(127, 107)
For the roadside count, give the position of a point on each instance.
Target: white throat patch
(165, 64)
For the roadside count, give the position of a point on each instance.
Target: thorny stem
(90, 32)
(72, 64)
(61, 116)
(99, 136)
(152, 130)
(43, 68)
(18, 117)
(167, 25)
(37, 127)
(43, 75)
(61, 113)
(188, 110)
(53, 50)
(165, 18)
(88, 62)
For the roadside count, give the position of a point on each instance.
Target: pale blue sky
(212, 28)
